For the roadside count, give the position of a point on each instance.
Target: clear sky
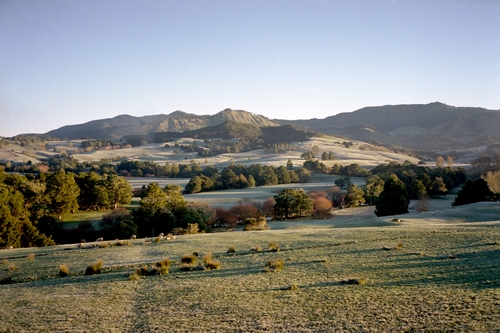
(67, 62)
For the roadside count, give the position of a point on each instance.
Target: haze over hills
(433, 126)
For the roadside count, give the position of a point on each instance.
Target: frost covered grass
(335, 276)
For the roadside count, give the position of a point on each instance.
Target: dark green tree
(394, 199)
(62, 193)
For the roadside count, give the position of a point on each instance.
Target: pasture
(434, 271)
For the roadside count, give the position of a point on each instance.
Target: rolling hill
(434, 126)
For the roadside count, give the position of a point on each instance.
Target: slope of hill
(431, 126)
(178, 121)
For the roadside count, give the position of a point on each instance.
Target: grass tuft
(12, 267)
(188, 259)
(135, 276)
(275, 265)
(273, 247)
(256, 249)
(30, 256)
(210, 263)
(231, 249)
(293, 286)
(158, 239)
(63, 270)
(164, 263)
(94, 268)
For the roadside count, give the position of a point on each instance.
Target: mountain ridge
(430, 126)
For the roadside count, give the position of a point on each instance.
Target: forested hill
(178, 121)
(247, 133)
(430, 126)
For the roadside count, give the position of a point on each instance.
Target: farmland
(434, 271)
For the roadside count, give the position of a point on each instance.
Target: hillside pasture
(421, 274)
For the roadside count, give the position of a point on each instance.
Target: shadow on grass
(479, 270)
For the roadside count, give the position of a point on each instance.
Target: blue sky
(69, 62)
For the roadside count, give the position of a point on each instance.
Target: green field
(444, 277)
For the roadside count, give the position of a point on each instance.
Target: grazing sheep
(133, 237)
(160, 235)
(100, 239)
(80, 245)
(10, 247)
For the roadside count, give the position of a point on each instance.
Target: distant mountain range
(434, 126)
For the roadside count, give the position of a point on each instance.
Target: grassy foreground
(421, 275)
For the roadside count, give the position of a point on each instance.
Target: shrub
(245, 210)
(231, 249)
(94, 268)
(210, 263)
(12, 267)
(135, 276)
(6, 279)
(63, 270)
(254, 224)
(188, 259)
(274, 265)
(273, 247)
(293, 286)
(226, 217)
(213, 264)
(256, 249)
(360, 281)
(158, 239)
(164, 263)
(192, 228)
(30, 256)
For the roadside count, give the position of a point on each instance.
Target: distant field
(444, 277)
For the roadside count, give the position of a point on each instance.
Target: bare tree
(439, 161)
(449, 160)
(493, 180)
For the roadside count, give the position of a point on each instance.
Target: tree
(394, 199)
(354, 196)
(175, 200)
(374, 185)
(290, 202)
(283, 175)
(417, 189)
(119, 190)
(473, 191)
(343, 181)
(438, 187)
(439, 161)
(289, 164)
(493, 181)
(62, 193)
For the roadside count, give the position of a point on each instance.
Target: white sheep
(100, 239)
(133, 237)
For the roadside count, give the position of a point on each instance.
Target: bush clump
(63, 270)
(30, 256)
(231, 249)
(94, 268)
(254, 224)
(188, 259)
(274, 265)
(273, 247)
(359, 281)
(210, 263)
